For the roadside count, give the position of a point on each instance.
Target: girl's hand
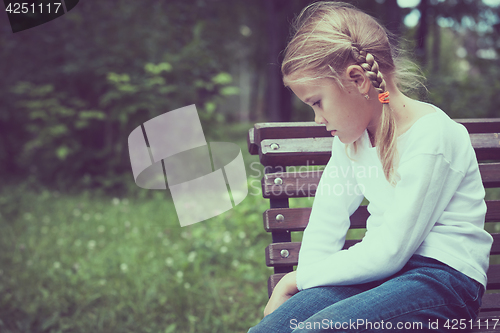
(286, 288)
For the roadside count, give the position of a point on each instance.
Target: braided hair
(330, 36)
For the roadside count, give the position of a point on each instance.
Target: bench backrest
(281, 146)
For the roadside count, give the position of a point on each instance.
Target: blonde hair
(330, 36)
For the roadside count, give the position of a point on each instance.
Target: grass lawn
(88, 262)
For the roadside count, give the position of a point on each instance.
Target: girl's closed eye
(318, 103)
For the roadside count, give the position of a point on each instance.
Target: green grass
(90, 263)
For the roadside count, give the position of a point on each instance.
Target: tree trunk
(278, 98)
(436, 44)
(422, 32)
(394, 17)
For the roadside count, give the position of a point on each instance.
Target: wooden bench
(282, 146)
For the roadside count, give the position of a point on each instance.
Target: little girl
(423, 260)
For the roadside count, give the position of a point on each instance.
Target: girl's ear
(357, 76)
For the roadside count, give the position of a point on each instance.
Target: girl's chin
(345, 140)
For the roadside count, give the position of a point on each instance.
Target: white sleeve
(426, 186)
(337, 197)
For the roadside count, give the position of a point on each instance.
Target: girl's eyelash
(317, 103)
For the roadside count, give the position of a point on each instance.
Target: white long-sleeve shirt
(436, 209)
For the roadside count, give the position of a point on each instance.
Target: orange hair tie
(384, 97)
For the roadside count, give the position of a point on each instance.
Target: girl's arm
(337, 197)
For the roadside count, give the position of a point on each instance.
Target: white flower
(86, 216)
(101, 229)
(57, 265)
(223, 249)
(242, 235)
(180, 274)
(124, 267)
(191, 256)
(115, 201)
(91, 244)
(187, 285)
(227, 237)
(169, 261)
(235, 263)
(77, 212)
(102, 282)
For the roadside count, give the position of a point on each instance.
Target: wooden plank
(494, 279)
(490, 174)
(317, 151)
(493, 211)
(290, 184)
(280, 130)
(309, 151)
(305, 183)
(486, 146)
(491, 302)
(296, 219)
(481, 125)
(253, 148)
(495, 248)
(286, 254)
(309, 129)
(281, 254)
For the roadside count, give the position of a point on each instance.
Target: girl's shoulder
(434, 133)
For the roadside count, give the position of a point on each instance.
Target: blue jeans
(425, 296)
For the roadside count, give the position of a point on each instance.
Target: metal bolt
(275, 146)
(280, 218)
(284, 253)
(278, 181)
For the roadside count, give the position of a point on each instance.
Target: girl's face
(346, 113)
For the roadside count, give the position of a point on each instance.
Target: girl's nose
(319, 120)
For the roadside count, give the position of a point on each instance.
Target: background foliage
(82, 249)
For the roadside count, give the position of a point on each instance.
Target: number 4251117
(25, 8)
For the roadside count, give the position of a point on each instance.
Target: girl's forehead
(307, 82)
